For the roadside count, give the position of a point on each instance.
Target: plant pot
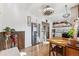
(7, 33)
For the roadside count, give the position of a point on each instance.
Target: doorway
(33, 34)
(45, 30)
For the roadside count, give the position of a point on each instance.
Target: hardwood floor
(37, 50)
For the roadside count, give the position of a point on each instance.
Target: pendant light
(66, 15)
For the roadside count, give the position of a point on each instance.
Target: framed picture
(29, 20)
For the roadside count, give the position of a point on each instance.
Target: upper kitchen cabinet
(74, 12)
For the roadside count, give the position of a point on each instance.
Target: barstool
(56, 50)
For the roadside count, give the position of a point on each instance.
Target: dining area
(52, 32)
(60, 46)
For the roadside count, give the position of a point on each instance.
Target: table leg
(50, 49)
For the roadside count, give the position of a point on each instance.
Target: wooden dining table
(60, 41)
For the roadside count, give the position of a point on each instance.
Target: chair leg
(54, 53)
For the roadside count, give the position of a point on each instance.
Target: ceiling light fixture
(66, 15)
(47, 10)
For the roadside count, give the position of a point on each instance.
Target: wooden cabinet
(74, 12)
(21, 39)
(2, 45)
(71, 52)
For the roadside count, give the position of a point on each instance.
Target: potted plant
(7, 34)
(7, 31)
(71, 32)
(13, 30)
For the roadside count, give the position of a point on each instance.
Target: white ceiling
(35, 9)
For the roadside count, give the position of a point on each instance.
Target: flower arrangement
(71, 32)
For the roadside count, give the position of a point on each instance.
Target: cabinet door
(21, 39)
(71, 52)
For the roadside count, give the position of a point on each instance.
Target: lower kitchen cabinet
(71, 52)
